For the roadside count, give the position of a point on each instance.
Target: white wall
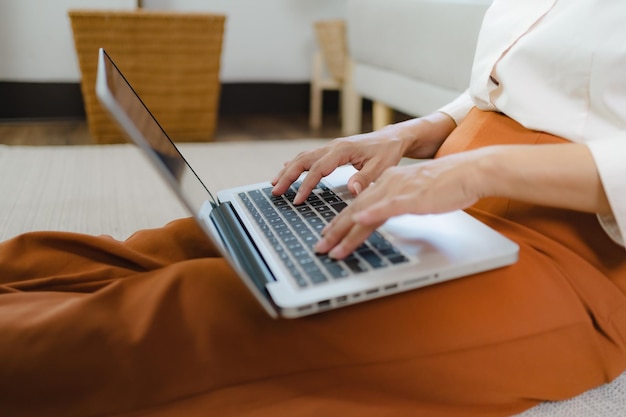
(36, 41)
(265, 40)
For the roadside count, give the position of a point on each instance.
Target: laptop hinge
(239, 243)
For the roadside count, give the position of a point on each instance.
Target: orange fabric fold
(159, 325)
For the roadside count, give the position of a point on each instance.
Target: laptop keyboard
(293, 231)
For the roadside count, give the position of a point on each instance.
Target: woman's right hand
(370, 153)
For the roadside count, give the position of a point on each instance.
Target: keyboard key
(355, 264)
(372, 258)
(339, 206)
(398, 259)
(335, 269)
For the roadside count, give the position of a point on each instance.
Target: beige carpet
(112, 189)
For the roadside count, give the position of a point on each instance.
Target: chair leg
(350, 105)
(315, 115)
(382, 115)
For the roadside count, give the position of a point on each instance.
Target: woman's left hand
(436, 186)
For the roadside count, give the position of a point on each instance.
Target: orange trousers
(159, 325)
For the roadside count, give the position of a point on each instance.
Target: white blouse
(559, 66)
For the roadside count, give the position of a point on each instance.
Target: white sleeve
(459, 107)
(609, 158)
(609, 224)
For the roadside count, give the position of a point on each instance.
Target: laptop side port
(372, 291)
(417, 281)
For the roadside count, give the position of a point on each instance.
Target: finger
(284, 180)
(305, 161)
(355, 238)
(335, 231)
(291, 172)
(320, 169)
(379, 212)
(369, 173)
(280, 173)
(343, 238)
(308, 184)
(344, 231)
(346, 213)
(353, 232)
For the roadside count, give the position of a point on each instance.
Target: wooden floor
(229, 128)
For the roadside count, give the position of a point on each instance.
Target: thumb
(361, 180)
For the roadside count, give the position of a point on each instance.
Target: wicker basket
(171, 59)
(331, 37)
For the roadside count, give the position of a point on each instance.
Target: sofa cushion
(429, 43)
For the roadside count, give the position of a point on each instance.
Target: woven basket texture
(172, 59)
(331, 37)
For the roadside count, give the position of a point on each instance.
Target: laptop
(268, 240)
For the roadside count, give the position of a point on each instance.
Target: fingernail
(320, 246)
(335, 253)
(358, 188)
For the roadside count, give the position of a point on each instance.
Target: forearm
(562, 175)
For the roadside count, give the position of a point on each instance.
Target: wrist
(425, 135)
(490, 173)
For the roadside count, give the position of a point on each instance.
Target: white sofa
(409, 55)
(415, 56)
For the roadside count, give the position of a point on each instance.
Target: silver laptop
(269, 241)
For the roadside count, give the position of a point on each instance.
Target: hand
(369, 153)
(437, 186)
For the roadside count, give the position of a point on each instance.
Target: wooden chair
(332, 71)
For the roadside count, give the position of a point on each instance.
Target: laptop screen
(127, 108)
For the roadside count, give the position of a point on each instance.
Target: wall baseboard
(28, 101)
(25, 100)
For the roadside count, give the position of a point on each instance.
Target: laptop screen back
(136, 121)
